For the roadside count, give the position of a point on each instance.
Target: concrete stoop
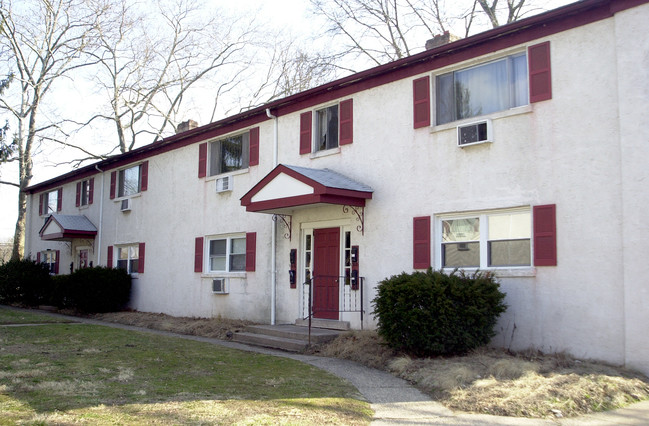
(287, 337)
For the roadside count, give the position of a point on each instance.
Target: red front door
(326, 265)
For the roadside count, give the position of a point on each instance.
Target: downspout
(101, 215)
(273, 243)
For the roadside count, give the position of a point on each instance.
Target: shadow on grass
(92, 372)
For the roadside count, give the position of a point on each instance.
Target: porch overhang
(60, 227)
(287, 188)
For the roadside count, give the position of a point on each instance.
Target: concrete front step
(274, 342)
(287, 337)
(324, 323)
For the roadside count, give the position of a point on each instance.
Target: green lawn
(11, 316)
(66, 373)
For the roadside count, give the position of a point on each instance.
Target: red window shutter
(59, 199)
(251, 251)
(254, 147)
(305, 132)
(113, 184)
(421, 242)
(545, 235)
(198, 254)
(109, 257)
(144, 176)
(421, 102)
(40, 205)
(346, 122)
(91, 190)
(38, 257)
(202, 160)
(78, 200)
(140, 262)
(56, 262)
(540, 74)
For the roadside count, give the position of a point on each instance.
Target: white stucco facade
(583, 151)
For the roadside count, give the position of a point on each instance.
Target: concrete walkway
(395, 401)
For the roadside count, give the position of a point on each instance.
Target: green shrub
(60, 293)
(431, 313)
(97, 289)
(24, 281)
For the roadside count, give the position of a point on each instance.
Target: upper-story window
(50, 202)
(327, 128)
(326, 136)
(229, 154)
(129, 181)
(483, 89)
(85, 191)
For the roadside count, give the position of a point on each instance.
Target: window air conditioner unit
(220, 286)
(126, 205)
(224, 184)
(474, 133)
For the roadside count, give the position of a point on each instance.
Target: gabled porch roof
(59, 227)
(288, 187)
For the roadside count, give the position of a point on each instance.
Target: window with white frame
(48, 257)
(483, 89)
(129, 181)
(84, 196)
(229, 154)
(128, 258)
(326, 132)
(486, 239)
(51, 202)
(227, 254)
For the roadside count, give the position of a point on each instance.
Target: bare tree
(149, 61)
(288, 69)
(381, 31)
(41, 42)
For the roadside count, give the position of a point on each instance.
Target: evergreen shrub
(97, 289)
(431, 313)
(24, 281)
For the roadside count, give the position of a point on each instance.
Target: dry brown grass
(492, 381)
(207, 327)
(489, 381)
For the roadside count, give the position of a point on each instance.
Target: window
(334, 126)
(229, 154)
(51, 259)
(491, 239)
(483, 89)
(50, 202)
(227, 254)
(128, 258)
(326, 134)
(85, 192)
(129, 181)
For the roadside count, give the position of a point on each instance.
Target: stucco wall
(584, 150)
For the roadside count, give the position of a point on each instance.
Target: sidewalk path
(395, 401)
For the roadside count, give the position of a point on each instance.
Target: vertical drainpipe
(273, 244)
(101, 215)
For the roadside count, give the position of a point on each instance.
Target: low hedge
(97, 289)
(431, 313)
(24, 281)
